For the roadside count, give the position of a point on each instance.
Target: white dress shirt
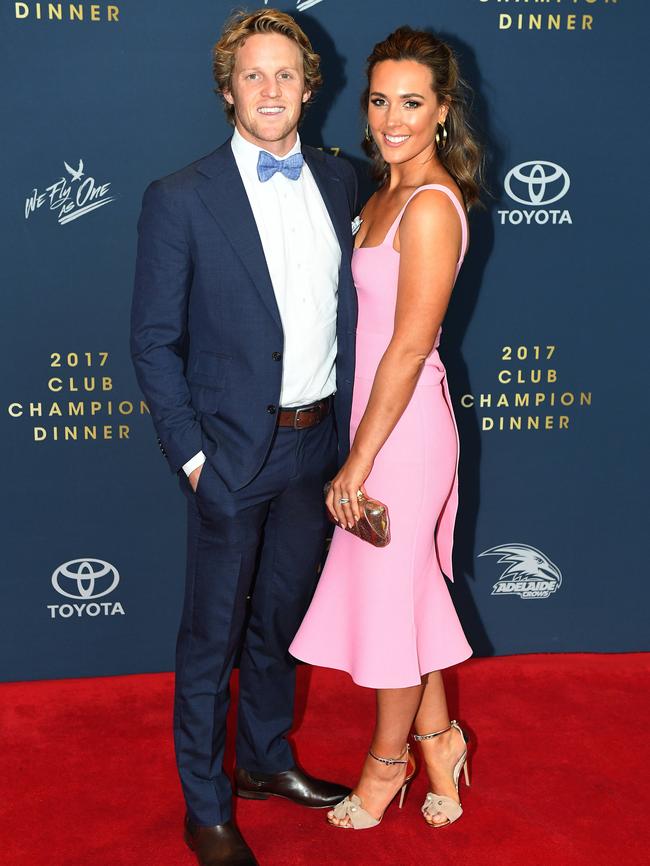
(303, 257)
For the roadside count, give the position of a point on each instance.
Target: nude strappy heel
(351, 807)
(438, 803)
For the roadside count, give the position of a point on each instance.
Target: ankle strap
(452, 724)
(389, 761)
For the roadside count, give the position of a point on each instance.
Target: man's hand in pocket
(193, 477)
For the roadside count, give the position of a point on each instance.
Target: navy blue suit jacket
(206, 335)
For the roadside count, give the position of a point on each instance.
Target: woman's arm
(430, 240)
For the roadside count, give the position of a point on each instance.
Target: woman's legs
(396, 709)
(440, 753)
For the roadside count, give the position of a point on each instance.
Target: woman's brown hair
(245, 24)
(461, 154)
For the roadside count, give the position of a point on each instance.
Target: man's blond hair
(245, 24)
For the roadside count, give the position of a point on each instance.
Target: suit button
(271, 409)
(277, 356)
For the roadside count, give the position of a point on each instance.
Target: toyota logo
(85, 578)
(538, 182)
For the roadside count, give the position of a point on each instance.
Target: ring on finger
(344, 501)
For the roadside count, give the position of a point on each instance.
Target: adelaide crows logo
(529, 573)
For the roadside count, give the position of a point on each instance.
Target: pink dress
(384, 615)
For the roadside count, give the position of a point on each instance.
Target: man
(243, 342)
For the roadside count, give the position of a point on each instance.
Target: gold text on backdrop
(67, 12)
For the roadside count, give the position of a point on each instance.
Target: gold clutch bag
(373, 525)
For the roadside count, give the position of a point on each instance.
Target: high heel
(438, 803)
(351, 807)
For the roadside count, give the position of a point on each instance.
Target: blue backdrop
(544, 341)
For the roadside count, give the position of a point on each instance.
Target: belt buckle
(313, 407)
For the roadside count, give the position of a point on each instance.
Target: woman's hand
(346, 485)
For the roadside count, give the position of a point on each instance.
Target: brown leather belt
(305, 416)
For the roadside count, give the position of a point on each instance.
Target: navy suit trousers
(265, 542)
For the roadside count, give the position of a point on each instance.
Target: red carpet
(561, 748)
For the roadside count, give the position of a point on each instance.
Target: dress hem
(439, 667)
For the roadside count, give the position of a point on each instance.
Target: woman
(384, 614)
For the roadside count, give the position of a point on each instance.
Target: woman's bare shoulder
(429, 210)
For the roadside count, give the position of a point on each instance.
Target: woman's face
(403, 110)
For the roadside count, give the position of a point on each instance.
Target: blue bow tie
(267, 165)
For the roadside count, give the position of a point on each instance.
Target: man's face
(267, 91)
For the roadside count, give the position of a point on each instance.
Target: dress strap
(392, 231)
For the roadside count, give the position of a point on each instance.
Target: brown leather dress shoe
(221, 845)
(293, 785)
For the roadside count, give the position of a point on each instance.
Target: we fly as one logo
(301, 5)
(71, 196)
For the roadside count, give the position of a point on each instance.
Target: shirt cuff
(194, 463)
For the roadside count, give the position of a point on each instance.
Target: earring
(368, 136)
(441, 135)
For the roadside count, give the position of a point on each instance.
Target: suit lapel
(335, 197)
(224, 195)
